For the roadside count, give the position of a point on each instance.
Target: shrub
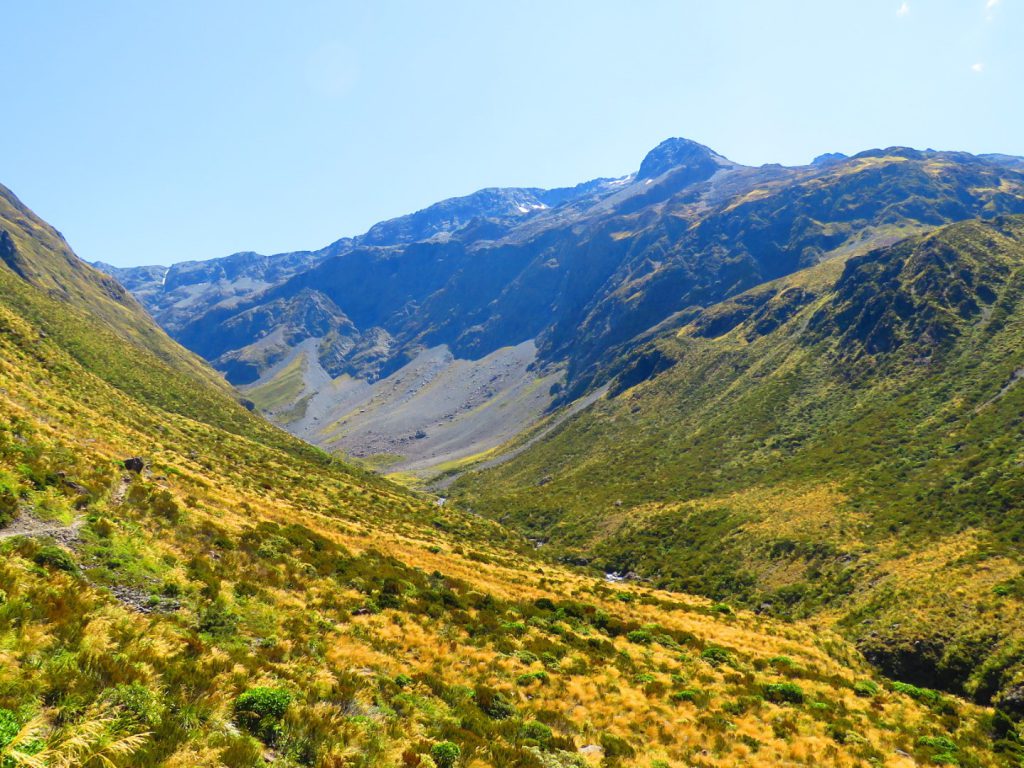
(537, 732)
(640, 637)
(615, 747)
(529, 677)
(941, 749)
(445, 754)
(8, 503)
(516, 628)
(494, 703)
(9, 727)
(55, 557)
(259, 711)
(920, 694)
(714, 655)
(138, 702)
(170, 589)
(942, 743)
(784, 693)
(865, 688)
(685, 695)
(218, 619)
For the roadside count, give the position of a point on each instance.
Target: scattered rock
(76, 486)
(134, 464)
(1012, 701)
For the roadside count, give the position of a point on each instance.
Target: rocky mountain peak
(675, 153)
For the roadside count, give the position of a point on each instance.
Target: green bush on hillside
(494, 703)
(54, 557)
(9, 727)
(260, 710)
(445, 754)
(784, 693)
(538, 732)
(715, 656)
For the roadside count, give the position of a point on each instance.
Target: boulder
(1012, 701)
(134, 464)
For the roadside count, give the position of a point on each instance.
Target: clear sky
(161, 131)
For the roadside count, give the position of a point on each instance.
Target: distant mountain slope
(579, 274)
(238, 599)
(843, 442)
(186, 290)
(96, 320)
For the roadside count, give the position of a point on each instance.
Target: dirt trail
(68, 536)
(26, 524)
(119, 493)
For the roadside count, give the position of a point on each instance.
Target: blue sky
(154, 132)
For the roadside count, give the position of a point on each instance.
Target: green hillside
(844, 443)
(243, 600)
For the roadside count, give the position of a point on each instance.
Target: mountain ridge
(581, 277)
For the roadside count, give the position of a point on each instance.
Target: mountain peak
(676, 152)
(830, 158)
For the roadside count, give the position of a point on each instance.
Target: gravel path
(29, 525)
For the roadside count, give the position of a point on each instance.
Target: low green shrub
(640, 637)
(715, 656)
(9, 727)
(920, 694)
(531, 677)
(538, 732)
(865, 688)
(784, 693)
(260, 710)
(445, 754)
(494, 704)
(616, 748)
(685, 695)
(55, 557)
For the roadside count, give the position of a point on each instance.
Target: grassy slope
(849, 449)
(240, 559)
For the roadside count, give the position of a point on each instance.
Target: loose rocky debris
(27, 524)
(140, 601)
(69, 536)
(122, 489)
